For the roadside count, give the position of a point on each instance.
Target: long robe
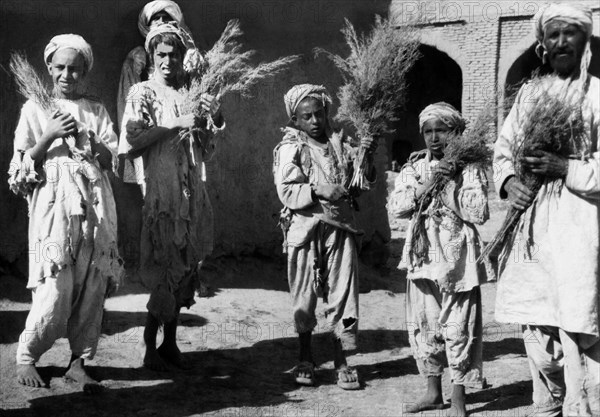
(73, 255)
(556, 282)
(63, 192)
(177, 231)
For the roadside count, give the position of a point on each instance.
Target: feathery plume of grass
(553, 123)
(29, 84)
(374, 75)
(473, 147)
(227, 69)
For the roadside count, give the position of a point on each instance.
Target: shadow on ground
(218, 379)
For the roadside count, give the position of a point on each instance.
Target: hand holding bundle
(552, 124)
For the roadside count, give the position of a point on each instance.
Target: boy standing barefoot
(60, 165)
(443, 300)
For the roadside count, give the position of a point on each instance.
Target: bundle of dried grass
(473, 147)
(29, 84)
(554, 124)
(374, 74)
(227, 69)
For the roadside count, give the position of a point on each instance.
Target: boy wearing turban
(177, 231)
(443, 300)
(135, 68)
(60, 165)
(312, 165)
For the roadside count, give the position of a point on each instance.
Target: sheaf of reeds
(553, 124)
(228, 69)
(374, 75)
(29, 84)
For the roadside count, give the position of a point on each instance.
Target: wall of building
(484, 38)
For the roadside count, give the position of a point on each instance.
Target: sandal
(300, 372)
(348, 385)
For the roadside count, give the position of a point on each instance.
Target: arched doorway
(528, 62)
(434, 77)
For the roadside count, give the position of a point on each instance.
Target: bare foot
(27, 375)
(171, 353)
(77, 373)
(424, 404)
(459, 408)
(152, 360)
(432, 400)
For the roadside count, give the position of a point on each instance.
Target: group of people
(554, 297)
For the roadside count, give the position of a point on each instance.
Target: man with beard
(553, 290)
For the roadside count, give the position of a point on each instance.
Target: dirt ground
(241, 344)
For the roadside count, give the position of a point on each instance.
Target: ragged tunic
(67, 198)
(297, 165)
(177, 231)
(443, 300)
(555, 282)
(321, 238)
(455, 243)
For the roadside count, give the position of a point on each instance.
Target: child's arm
(105, 156)
(139, 139)
(407, 187)
(139, 127)
(104, 141)
(59, 126)
(292, 184)
(293, 188)
(25, 172)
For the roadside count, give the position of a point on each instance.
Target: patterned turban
(150, 9)
(70, 41)
(299, 92)
(444, 112)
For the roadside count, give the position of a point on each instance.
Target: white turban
(181, 33)
(70, 41)
(444, 112)
(581, 16)
(299, 92)
(150, 9)
(569, 13)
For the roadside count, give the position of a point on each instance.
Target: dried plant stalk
(29, 84)
(227, 69)
(374, 74)
(554, 124)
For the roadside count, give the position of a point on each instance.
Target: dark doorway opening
(434, 77)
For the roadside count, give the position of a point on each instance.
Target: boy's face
(435, 133)
(565, 43)
(67, 70)
(311, 117)
(167, 61)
